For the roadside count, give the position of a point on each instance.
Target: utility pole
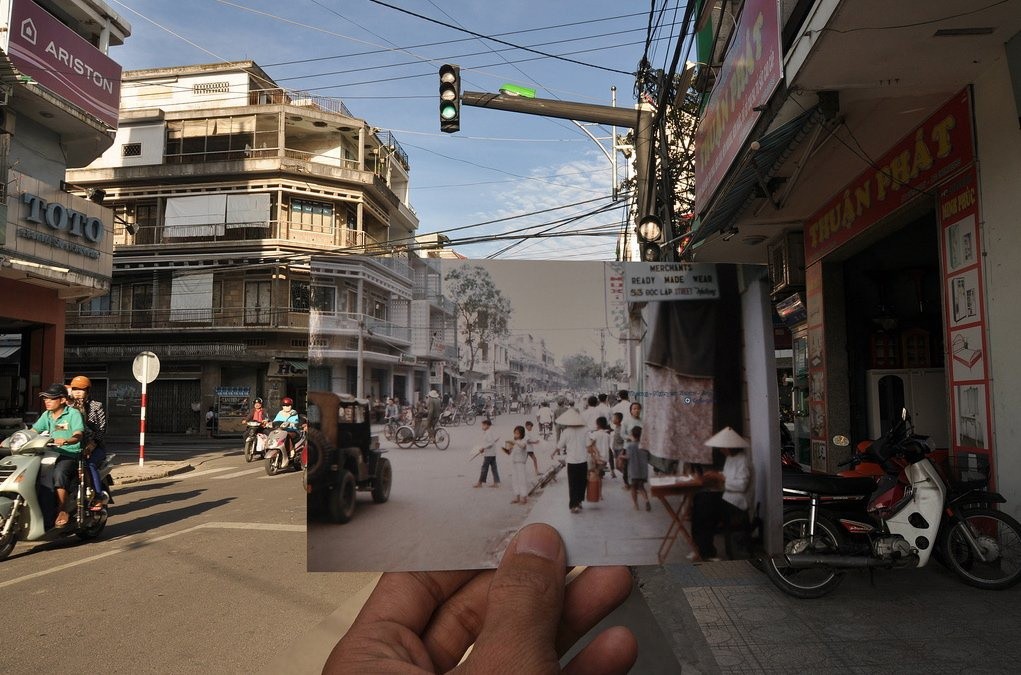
(638, 119)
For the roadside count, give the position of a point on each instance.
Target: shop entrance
(894, 328)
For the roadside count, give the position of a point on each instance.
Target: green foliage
(483, 311)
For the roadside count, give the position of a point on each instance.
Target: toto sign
(59, 217)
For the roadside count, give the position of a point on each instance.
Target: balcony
(141, 320)
(316, 235)
(130, 351)
(353, 323)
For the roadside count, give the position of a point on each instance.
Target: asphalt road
(200, 572)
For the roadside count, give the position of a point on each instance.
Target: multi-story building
(240, 209)
(58, 107)
(434, 328)
(870, 159)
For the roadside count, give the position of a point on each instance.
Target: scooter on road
(255, 440)
(28, 500)
(284, 446)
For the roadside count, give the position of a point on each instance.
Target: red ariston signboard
(63, 62)
(751, 71)
(932, 152)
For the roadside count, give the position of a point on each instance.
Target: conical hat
(727, 438)
(571, 418)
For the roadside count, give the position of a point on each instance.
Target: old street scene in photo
(536, 340)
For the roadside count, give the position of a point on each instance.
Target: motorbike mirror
(841, 441)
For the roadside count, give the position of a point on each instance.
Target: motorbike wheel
(805, 582)
(384, 477)
(442, 439)
(249, 446)
(404, 437)
(340, 503)
(272, 468)
(95, 526)
(998, 536)
(8, 542)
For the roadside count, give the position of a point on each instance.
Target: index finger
(410, 598)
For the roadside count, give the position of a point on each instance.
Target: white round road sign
(146, 367)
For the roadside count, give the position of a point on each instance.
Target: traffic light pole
(639, 120)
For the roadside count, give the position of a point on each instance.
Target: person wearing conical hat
(729, 506)
(574, 441)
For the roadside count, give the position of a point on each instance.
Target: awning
(755, 169)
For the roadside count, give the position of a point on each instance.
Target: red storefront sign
(64, 62)
(938, 148)
(751, 71)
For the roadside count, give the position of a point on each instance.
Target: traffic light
(450, 98)
(650, 236)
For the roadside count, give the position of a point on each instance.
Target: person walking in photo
(617, 448)
(574, 442)
(519, 455)
(638, 467)
(487, 448)
(532, 441)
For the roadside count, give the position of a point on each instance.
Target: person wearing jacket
(95, 433)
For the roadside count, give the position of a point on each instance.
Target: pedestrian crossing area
(217, 473)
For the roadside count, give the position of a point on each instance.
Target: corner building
(240, 209)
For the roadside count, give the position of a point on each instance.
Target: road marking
(193, 474)
(136, 544)
(236, 474)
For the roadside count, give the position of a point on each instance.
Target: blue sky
(383, 64)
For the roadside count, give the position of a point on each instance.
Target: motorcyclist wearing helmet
(258, 413)
(93, 447)
(288, 419)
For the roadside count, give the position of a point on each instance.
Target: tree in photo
(483, 311)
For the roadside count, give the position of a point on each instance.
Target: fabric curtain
(248, 210)
(195, 216)
(191, 298)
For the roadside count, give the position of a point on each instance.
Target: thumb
(526, 599)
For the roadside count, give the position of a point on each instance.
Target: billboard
(63, 62)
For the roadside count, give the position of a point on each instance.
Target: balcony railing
(318, 234)
(117, 352)
(176, 319)
(349, 322)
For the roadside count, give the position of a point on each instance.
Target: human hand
(520, 617)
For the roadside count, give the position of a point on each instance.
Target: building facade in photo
(56, 247)
(241, 210)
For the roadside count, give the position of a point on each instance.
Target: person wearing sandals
(66, 427)
(487, 448)
(638, 467)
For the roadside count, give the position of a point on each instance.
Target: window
(311, 216)
(257, 303)
(305, 297)
(141, 305)
(131, 150)
(96, 306)
(211, 88)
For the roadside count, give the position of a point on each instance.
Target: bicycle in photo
(406, 436)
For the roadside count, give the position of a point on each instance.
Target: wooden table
(675, 486)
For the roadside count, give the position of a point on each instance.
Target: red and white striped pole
(141, 427)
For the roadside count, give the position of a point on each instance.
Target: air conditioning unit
(786, 257)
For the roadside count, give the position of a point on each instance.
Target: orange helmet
(80, 382)
(287, 401)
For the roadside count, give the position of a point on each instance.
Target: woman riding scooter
(93, 448)
(288, 419)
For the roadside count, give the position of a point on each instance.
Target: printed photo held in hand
(521, 618)
(530, 392)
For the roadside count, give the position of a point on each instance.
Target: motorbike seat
(825, 484)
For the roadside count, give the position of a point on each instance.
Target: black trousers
(707, 512)
(577, 481)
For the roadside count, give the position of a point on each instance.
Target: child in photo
(532, 440)
(638, 468)
(518, 456)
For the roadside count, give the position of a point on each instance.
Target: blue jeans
(94, 461)
(486, 463)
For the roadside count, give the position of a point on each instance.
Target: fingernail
(538, 540)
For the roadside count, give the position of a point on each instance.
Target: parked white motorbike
(27, 499)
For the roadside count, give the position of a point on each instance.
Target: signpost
(145, 368)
